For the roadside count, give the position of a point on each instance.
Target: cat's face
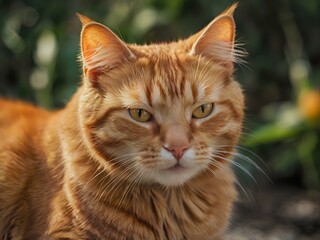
(160, 113)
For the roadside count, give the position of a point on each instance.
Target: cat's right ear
(101, 49)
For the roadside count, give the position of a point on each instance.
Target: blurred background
(278, 160)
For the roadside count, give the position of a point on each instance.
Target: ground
(277, 213)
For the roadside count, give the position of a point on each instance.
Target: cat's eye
(203, 110)
(139, 114)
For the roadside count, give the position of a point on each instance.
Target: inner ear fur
(101, 49)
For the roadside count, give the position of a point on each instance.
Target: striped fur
(90, 171)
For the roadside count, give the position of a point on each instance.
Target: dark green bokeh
(39, 44)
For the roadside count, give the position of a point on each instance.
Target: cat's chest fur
(148, 212)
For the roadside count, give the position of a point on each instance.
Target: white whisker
(238, 165)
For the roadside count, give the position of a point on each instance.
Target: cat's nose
(177, 140)
(177, 151)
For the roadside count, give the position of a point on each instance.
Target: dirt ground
(277, 213)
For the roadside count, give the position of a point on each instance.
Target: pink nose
(177, 151)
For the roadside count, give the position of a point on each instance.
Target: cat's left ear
(101, 49)
(216, 40)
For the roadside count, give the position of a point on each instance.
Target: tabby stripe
(101, 119)
(98, 145)
(173, 81)
(162, 91)
(180, 68)
(194, 90)
(165, 231)
(192, 216)
(182, 85)
(148, 95)
(229, 105)
(142, 222)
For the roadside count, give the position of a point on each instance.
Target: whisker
(216, 164)
(115, 186)
(236, 165)
(109, 182)
(131, 186)
(248, 160)
(254, 154)
(248, 196)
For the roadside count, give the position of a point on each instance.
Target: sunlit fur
(90, 171)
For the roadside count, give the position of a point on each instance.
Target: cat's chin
(175, 176)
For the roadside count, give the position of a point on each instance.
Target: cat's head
(161, 113)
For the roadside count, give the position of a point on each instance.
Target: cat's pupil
(202, 108)
(139, 113)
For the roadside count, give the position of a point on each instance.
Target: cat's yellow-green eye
(203, 110)
(140, 115)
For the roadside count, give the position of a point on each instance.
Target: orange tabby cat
(142, 151)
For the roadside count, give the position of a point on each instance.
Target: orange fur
(92, 171)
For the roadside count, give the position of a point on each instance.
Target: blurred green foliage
(39, 44)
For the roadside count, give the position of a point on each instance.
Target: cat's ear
(84, 19)
(216, 40)
(101, 49)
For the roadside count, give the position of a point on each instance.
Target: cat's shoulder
(15, 108)
(19, 122)
(17, 113)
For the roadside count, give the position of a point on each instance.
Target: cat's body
(96, 170)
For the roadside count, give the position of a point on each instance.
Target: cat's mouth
(176, 168)
(175, 174)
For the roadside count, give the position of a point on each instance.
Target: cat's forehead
(168, 80)
(165, 80)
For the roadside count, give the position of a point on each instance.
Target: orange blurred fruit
(309, 104)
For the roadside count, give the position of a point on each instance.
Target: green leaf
(271, 133)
